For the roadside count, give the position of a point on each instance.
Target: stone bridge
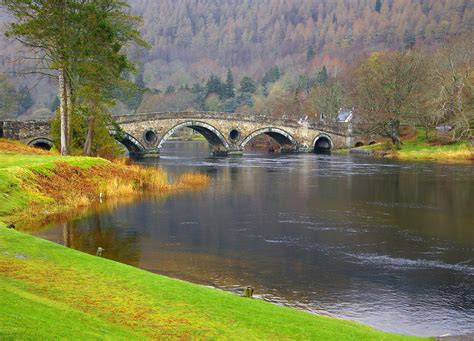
(227, 133)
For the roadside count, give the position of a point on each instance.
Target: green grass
(49, 291)
(418, 148)
(198, 137)
(17, 168)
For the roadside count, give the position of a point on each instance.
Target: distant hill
(192, 39)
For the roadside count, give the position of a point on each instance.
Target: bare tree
(389, 90)
(454, 75)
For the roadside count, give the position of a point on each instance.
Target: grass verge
(418, 148)
(50, 292)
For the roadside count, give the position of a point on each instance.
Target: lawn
(49, 292)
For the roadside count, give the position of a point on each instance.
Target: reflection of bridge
(227, 133)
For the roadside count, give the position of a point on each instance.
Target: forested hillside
(192, 39)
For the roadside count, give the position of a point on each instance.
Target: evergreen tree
(245, 98)
(409, 39)
(310, 54)
(229, 85)
(322, 76)
(215, 86)
(304, 83)
(229, 105)
(247, 85)
(378, 5)
(271, 76)
(200, 93)
(170, 89)
(82, 42)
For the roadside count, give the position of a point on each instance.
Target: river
(386, 243)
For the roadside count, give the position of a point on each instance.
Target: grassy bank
(50, 292)
(35, 183)
(418, 148)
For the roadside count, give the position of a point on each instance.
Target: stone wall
(26, 131)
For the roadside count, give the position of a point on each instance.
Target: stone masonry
(228, 133)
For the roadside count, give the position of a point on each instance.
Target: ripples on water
(386, 243)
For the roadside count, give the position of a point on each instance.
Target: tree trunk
(63, 113)
(393, 129)
(69, 111)
(90, 136)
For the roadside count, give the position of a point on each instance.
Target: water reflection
(385, 243)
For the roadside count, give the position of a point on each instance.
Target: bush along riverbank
(49, 291)
(419, 148)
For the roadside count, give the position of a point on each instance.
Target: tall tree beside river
(389, 90)
(80, 42)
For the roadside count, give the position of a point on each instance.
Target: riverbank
(96, 298)
(418, 148)
(49, 291)
(35, 183)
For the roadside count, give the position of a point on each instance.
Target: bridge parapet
(26, 131)
(228, 133)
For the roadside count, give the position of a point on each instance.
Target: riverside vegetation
(99, 298)
(35, 182)
(418, 147)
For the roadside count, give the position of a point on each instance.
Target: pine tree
(322, 76)
(82, 43)
(229, 85)
(271, 76)
(247, 85)
(378, 5)
(170, 89)
(409, 39)
(214, 86)
(310, 54)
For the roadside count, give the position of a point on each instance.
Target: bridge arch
(42, 143)
(134, 147)
(322, 144)
(282, 137)
(210, 133)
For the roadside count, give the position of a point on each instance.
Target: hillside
(190, 40)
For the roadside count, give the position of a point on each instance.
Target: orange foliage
(13, 147)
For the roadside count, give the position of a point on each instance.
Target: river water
(386, 243)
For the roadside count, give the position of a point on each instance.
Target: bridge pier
(220, 153)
